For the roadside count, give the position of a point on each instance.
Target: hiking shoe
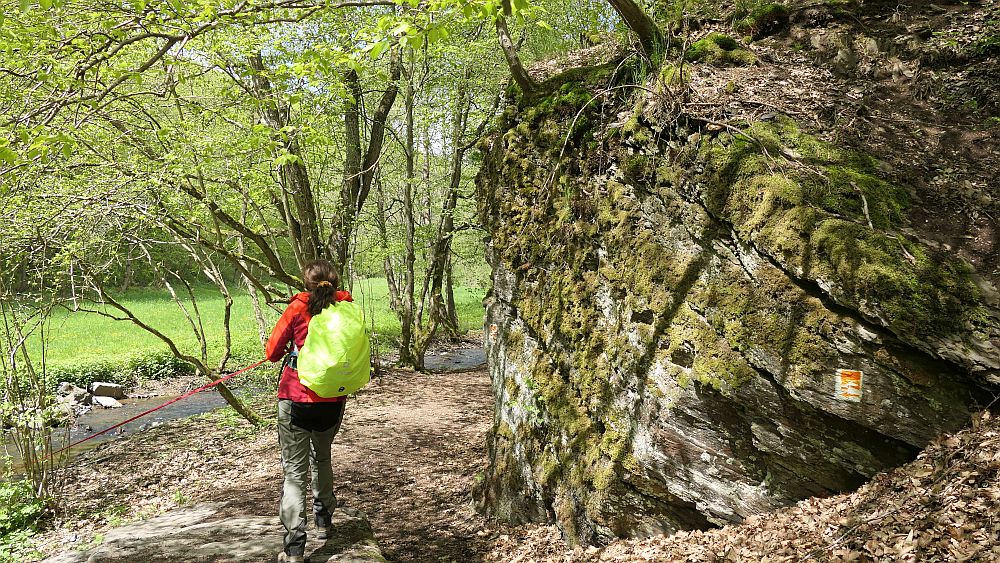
(324, 528)
(324, 525)
(286, 558)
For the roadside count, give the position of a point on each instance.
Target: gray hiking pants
(301, 448)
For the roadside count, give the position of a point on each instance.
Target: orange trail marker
(849, 385)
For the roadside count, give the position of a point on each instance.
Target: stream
(97, 419)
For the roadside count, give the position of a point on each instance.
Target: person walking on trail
(307, 422)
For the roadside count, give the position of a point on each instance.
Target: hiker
(307, 422)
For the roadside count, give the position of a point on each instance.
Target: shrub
(83, 374)
(156, 365)
(20, 511)
(151, 365)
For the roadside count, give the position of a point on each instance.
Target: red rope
(170, 402)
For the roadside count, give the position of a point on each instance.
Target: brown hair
(321, 282)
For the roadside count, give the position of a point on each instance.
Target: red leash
(170, 402)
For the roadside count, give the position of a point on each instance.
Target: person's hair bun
(321, 280)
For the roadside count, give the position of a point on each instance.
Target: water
(98, 419)
(460, 359)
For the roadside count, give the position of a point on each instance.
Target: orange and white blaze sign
(849, 385)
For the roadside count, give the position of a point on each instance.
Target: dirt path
(410, 457)
(407, 456)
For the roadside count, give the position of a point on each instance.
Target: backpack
(335, 359)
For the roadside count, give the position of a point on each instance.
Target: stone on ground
(103, 389)
(203, 533)
(71, 392)
(105, 402)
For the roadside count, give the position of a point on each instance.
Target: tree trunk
(359, 175)
(127, 274)
(451, 311)
(641, 24)
(406, 315)
(351, 186)
(376, 136)
(517, 70)
(441, 252)
(300, 216)
(237, 404)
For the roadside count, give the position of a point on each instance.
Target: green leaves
(7, 154)
(518, 5)
(286, 159)
(25, 5)
(43, 147)
(437, 33)
(375, 50)
(19, 507)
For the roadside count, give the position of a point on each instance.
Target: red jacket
(292, 328)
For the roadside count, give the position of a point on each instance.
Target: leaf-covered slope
(940, 507)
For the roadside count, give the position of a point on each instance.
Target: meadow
(82, 346)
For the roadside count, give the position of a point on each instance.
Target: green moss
(788, 325)
(713, 361)
(573, 385)
(919, 293)
(604, 477)
(719, 49)
(826, 212)
(761, 20)
(670, 76)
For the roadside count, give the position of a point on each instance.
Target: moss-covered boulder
(762, 20)
(719, 49)
(687, 327)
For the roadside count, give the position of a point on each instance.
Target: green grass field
(79, 339)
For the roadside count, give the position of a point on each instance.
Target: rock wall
(672, 299)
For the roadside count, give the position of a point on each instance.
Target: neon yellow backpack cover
(335, 359)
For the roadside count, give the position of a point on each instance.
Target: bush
(16, 547)
(157, 365)
(151, 365)
(20, 511)
(84, 374)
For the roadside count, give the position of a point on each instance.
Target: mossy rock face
(719, 49)
(761, 21)
(667, 321)
(830, 218)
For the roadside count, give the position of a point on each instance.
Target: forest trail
(407, 456)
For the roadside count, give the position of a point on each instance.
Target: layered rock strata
(673, 302)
